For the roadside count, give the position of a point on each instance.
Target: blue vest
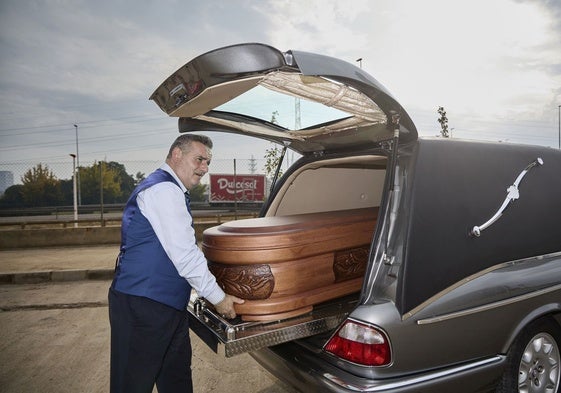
(143, 267)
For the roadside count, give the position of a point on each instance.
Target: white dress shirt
(164, 207)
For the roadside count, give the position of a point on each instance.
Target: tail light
(360, 343)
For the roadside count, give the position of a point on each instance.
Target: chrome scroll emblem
(512, 195)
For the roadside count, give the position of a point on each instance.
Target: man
(158, 264)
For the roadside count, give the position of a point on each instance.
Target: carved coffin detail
(350, 264)
(250, 282)
(283, 266)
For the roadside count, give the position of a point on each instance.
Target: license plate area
(235, 336)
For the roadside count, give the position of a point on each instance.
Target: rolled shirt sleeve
(164, 207)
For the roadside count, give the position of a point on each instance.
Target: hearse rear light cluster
(361, 344)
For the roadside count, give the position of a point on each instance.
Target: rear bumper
(307, 373)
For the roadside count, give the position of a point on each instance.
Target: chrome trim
(481, 273)
(512, 195)
(236, 336)
(383, 386)
(489, 306)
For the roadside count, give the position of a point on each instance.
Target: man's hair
(184, 142)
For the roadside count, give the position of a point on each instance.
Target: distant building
(6, 180)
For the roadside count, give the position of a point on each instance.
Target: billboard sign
(242, 188)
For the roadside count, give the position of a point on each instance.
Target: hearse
(382, 261)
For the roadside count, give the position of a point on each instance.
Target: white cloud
(69, 49)
(491, 63)
(326, 26)
(484, 58)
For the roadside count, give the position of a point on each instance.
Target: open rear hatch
(357, 114)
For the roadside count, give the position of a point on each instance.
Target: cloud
(468, 55)
(74, 50)
(485, 59)
(493, 64)
(325, 26)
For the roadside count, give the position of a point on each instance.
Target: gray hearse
(460, 284)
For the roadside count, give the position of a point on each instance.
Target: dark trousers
(149, 345)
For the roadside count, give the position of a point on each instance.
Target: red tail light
(361, 344)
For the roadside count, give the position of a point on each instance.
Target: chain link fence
(12, 173)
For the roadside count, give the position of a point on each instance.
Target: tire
(534, 360)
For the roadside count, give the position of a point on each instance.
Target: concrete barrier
(59, 237)
(55, 237)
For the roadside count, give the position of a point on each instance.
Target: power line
(82, 140)
(70, 125)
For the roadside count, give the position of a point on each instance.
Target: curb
(55, 276)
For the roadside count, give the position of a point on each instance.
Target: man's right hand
(226, 306)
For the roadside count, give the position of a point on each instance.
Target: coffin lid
(196, 91)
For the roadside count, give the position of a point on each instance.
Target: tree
(67, 188)
(127, 182)
(40, 187)
(13, 197)
(273, 154)
(272, 161)
(443, 120)
(117, 183)
(138, 178)
(198, 193)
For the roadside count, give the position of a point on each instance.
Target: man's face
(192, 165)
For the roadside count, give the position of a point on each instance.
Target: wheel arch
(550, 311)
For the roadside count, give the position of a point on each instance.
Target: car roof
(363, 113)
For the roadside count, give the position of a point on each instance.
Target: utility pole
(78, 166)
(252, 165)
(559, 109)
(101, 165)
(74, 190)
(297, 125)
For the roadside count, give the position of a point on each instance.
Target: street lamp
(78, 164)
(359, 61)
(559, 109)
(74, 190)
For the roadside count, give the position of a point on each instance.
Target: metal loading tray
(237, 336)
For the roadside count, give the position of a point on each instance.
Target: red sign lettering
(242, 188)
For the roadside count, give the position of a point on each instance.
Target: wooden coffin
(284, 265)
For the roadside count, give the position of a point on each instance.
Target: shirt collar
(168, 169)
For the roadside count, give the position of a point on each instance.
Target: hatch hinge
(395, 117)
(387, 258)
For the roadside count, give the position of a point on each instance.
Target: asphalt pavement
(34, 265)
(54, 328)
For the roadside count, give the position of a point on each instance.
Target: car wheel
(533, 361)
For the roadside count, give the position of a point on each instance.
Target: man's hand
(226, 306)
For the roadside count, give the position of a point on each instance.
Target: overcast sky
(494, 65)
